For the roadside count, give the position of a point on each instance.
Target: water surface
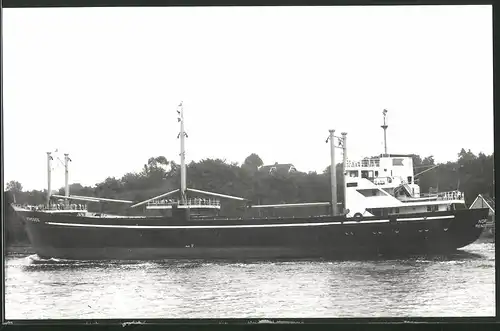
(461, 284)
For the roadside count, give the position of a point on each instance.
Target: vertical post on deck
(66, 178)
(182, 136)
(333, 173)
(49, 179)
(344, 167)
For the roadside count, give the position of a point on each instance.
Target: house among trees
(278, 168)
(486, 202)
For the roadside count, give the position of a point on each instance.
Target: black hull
(91, 238)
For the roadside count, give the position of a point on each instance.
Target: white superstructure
(386, 185)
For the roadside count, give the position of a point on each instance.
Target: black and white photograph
(248, 162)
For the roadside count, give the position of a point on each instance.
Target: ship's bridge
(381, 168)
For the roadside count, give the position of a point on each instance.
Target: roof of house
(277, 167)
(489, 202)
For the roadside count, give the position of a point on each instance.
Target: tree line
(470, 173)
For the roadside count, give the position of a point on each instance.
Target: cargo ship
(383, 213)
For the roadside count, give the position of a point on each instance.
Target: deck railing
(57, 206)
(449, 195)
(363, 163)
(191, 202)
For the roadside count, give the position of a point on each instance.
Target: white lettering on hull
(481, 223)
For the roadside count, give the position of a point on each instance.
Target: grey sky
(103, 84)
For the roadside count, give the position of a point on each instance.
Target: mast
(182, 136)
(333, 175)
(49, 159)
(66, 178)
(344, 167)
(385, 126)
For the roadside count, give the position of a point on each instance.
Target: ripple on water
(460, 284)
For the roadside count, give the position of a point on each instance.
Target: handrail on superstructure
(57, 206)
(451, 195)
(373, 163)
(190, 202)
(444, 196)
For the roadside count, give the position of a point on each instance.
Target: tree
(252, 162)
(417, 160)
(428, 161)
(14, 186)
(466, 156)
(156, 164)
(469, 173)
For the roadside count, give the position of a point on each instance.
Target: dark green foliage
(14, 186)
(470, 173)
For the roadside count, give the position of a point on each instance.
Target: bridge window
(393, 210)
(397, 162)
(367, 174)
(376, 173)
(432, 208)
(370, 192)
(354, 173)
(352, 184)
(375, 211)
(458, 206)
(409, 179)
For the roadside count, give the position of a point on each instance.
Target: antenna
(385, 126)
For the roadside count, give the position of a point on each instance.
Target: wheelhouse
(386, 185)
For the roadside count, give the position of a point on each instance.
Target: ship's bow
(468, 226)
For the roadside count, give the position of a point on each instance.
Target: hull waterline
(94, 238)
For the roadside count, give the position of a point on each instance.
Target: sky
(103, 85)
